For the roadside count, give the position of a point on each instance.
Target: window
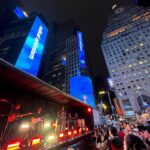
(141, 44)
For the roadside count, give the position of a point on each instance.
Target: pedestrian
(114, 142)
(133, 142)
(121, 134)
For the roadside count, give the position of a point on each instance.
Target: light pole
(108, 94)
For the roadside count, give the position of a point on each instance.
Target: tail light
(14, 145)
(35, 141)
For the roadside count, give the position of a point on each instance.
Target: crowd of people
(123, 135)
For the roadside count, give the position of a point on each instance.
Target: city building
(55, 59)
(126, 49)
(10, 11)
(62, 56)
(65, 64)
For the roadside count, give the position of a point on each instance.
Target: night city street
(74, 75)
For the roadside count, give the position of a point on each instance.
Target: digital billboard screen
(31, 53)
(81, 50)
(20, 13)
(82, 89)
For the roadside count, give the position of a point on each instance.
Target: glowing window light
(141, 62)
(130, 66)
(136, 18)
(141, 44)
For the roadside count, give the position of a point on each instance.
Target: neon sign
(31, 53)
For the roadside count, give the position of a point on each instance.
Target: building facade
(62, 59)
(126, 49)
(64, 64)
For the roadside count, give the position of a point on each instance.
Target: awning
(14, 78)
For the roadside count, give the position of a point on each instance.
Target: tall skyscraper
(55, 59)
(65, 64)
(63, 58)
(126, 49)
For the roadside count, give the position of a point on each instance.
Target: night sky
(90, 15)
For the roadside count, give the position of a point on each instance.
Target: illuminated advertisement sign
(31, 53)
(129, 113)
(81, 88)
(20, 13)
(117, 106)
(81, 50)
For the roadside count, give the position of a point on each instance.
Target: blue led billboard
(31, 53)
(81, 88)
(81, 50)
(20, 13)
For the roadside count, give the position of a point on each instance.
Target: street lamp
(102, 92)
(108, 94)
(104, 107)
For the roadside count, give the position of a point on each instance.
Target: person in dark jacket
(114, 142)
(133, 142)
